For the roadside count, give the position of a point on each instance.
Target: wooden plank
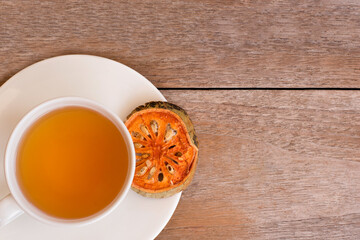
(273, 165)
(193, 43)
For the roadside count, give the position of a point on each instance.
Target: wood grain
(273, 165)
(198, 43)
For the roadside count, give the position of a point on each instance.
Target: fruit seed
(142, 171)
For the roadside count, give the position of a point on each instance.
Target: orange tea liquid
(72, 163)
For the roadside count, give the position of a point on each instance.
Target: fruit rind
(191, 132)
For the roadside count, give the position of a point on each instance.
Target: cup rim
(13, 145)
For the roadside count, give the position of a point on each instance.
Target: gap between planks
(261, 89)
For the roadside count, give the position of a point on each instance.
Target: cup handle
(9, 210)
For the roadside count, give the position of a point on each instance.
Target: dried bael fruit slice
(166, 149)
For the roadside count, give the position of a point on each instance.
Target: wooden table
(272, 87)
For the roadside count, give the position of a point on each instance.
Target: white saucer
(117, 87)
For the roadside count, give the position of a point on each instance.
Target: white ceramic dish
(107, 82)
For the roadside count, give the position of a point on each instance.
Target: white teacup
(16, 203)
